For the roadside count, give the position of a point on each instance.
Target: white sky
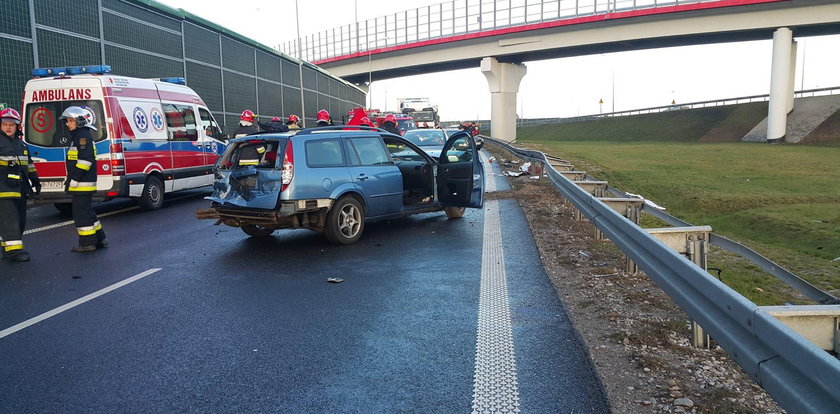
(552, 88)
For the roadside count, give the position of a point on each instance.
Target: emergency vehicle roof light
(71, 70)
(177, 81)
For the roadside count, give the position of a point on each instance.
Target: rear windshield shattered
(262, 154)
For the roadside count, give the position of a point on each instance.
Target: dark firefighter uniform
(16, 173)
(81, 184)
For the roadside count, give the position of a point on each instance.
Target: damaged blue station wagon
(333, 180)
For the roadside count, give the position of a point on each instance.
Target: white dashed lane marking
(46, 315)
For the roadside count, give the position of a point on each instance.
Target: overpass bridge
(498, 36)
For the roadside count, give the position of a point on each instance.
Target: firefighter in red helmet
(293, 122)
(390, 124)
(365, 122)
(324, 118)
(246, 124)
(17, 179)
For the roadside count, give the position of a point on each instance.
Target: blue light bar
(177, 80)
(71, 70)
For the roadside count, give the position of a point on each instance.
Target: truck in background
(425, 114)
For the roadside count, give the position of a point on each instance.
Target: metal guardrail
(800, 376)
(806, 93)
(810, 291)
(454, 18)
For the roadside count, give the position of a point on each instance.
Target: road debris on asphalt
(335, 280)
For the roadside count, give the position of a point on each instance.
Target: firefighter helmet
(276, 119)
(323, 115)
(10, 115)
(365, 122)
(83, 116)
(293, 119)
(247, 116)
(390, 118)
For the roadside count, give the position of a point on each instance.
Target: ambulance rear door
(48, 137)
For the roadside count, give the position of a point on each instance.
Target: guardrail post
(631, 208)
(692, 242)
(819, 324)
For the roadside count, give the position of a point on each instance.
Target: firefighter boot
(17, 256)
(83, 249)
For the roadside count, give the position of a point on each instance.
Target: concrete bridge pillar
(503, 79)
(781, 84)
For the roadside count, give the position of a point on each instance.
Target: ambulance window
(43, 128)
(181, 122)
(209, 125)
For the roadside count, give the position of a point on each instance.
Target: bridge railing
(451, 19)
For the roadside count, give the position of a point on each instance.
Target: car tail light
(117, 160)
(288, 167)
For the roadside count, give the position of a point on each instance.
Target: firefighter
(81, 178)
(246, 124)
(324, 118)
(275, 125)
(390, 124)
(293, 122)
(17, 180)
(365, 122)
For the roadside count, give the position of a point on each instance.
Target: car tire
(152, 197)
(65, 209)
(254, 230)
(345, 221)
(454, 212)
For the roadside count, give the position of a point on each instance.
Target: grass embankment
(781, 200)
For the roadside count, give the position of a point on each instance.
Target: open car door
(460, 177)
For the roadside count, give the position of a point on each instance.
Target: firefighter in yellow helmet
(81, 178)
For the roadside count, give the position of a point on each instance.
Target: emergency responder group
(19, 179)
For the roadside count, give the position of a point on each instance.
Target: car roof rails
(340, 128)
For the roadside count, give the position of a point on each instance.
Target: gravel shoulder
(638, 339)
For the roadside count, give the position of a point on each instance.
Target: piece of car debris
(335, 280)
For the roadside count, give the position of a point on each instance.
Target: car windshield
(426, 137)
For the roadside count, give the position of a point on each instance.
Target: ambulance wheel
(254, 230)
(345, 221)
(152, 197)
(454, 212)
(65, 209)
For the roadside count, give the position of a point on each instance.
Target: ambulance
(153, 136)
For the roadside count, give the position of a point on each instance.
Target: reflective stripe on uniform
(8, 158)
(10, 194)
(12, 245)
(32, 168)
(97, 226)
(83, 165)
(93, 188)
(86, 231)
(72, 154)
(249, 162)
(14, 176)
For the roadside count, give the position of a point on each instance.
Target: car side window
(460, 151)
(370, 151)
(324, 153)
(208, 124)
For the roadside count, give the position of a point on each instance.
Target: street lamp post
(300, 66)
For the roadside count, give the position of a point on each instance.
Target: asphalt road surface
(433, 316)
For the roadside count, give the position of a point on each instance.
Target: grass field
(781, 200)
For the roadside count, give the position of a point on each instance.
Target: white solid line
(495, 386)
(77, 302)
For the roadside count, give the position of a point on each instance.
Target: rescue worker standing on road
(390, 124)
(324, 118)
(17, 179)
(81, 178)
(293, 122)
(246, 124)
